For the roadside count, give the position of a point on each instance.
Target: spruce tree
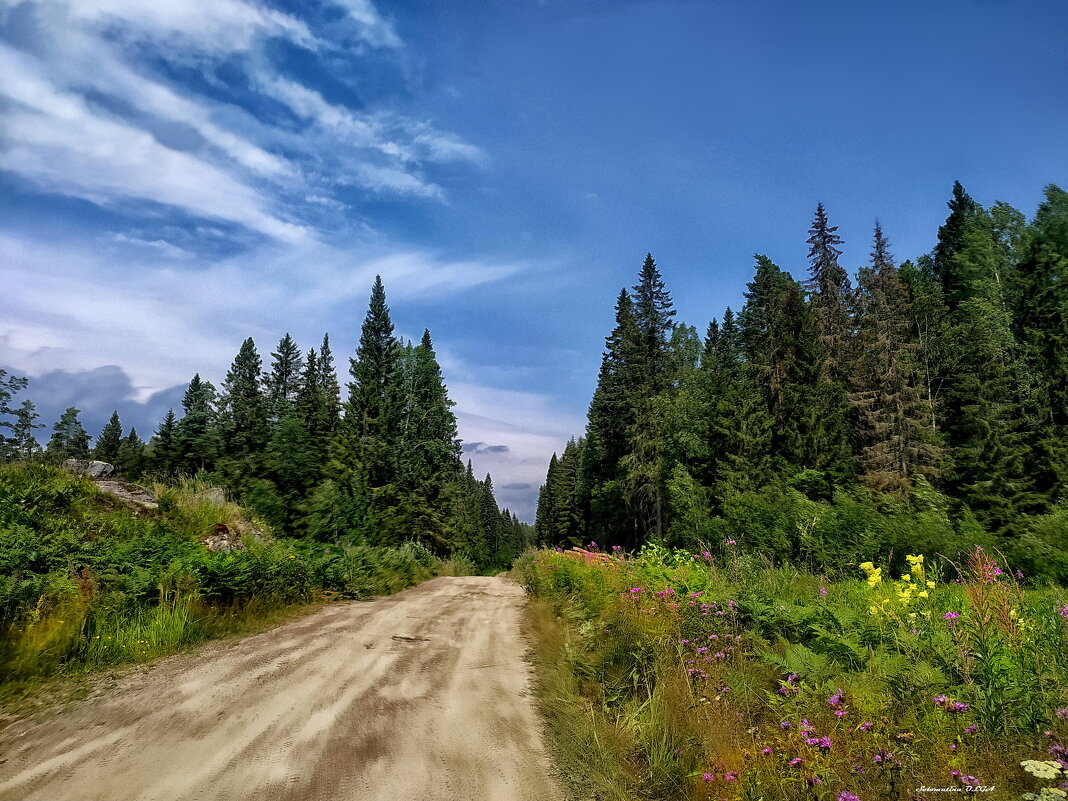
(107, 444)
(196, 434)
(653, 311)
(163, 457)
(69, 438)
(243, 416)
(898, 440)
(283, 382)
(1041, 321)
(831, 295)
(131, 460)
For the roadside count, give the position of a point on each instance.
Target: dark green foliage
(10, 386)
(163, 455)
(244, 427)
(69, 438)
(109, 441)
(283, 383)
(132, 458)
(196, 436)
(22, 443)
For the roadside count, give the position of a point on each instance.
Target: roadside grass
(670, 675)
(87, 582)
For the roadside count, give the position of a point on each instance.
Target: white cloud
(58, 141)
(376, 30)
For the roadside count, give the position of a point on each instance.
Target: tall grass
(86, 582)
(732, 679)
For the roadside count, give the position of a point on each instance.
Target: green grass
(666, 676)
(87, 582)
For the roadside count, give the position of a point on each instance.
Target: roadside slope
(421, 695)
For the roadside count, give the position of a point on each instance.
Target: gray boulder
(89, 467)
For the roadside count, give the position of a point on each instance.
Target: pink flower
(707, 777)
(796, 761)
(823, 592)
(767, 751)
(731, 776)
(845, 795)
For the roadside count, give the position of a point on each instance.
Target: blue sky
(177, 176)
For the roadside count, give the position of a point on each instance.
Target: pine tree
(243, 418)
(652, 311)
(897, 437)
(956, 276)
(491, 521)
(163, 458)
(1042, 326)
(831, 295)
(131, 460)
(69, 438)
(545, 519)
(329, 389)
(283, 382)
(371, 420)
(196, 434)
(10, 386)
(107, 444)
(24, 443)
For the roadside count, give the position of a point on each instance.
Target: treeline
(381, 467)
(826, 416)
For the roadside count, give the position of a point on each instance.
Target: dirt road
(417, 697)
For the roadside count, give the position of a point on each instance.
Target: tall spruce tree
(896, 433)
(131, 460)
(283, 382)
(107, 444)
(244, 427)
(163, 458)
(196, 434)
(831, 295)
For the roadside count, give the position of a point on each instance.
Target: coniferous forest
(377, 463)
(912, 406)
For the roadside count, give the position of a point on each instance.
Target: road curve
(421, 696)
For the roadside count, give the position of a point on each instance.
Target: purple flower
(972, 729)
(826, 743)
(784, 724)
(791, 678)
(1063, 610)
(767, 751)
(1062, 713)
(707, 777)
(840, 713)
(731, 542)
(796, 761)
(823, 592)
(731, 776)
(1019, 576)
(812, 781)
(845, 795)
(812, 741)
(958, 708)
(971, 781)
(835, 699)
(865, 726)
(940, 700)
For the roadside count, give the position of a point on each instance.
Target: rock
(223, 539)
(216, 496)
(90, 467)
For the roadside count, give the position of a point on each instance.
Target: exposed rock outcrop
(89, 467)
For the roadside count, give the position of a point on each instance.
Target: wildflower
(971, 729)
(291, 556)
(812, 781)
(1042, 770)
(825, 743)
(958, 708)
(767, 751)
(845, 795)
(940, 700)
(930, 585)
(1063, 610)
(951, 618)
(791, 679)
(971, 781)
(836, 699)
(707, 777)
(731, 776)
(784, 724)
(796, 761)
(1062, 712)
(882, 756)
(732, 542)
(823, 592)
(954, 773)
(1019, 575)
(812, 741)
(841, 713)
(865, 726)
(923, 594)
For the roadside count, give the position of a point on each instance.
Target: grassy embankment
(87, 581)
(672, 676)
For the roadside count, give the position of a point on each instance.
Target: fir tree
(283, 382)
(196, 434)
(107, 444)
(163, 458)
(243, 417)
(652, 311)
(897, 437)
(131, 460)
(69, 438)
(831, 296)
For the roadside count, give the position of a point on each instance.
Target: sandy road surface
(332, 706)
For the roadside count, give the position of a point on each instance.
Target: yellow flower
(923, 594)
(931, 584)
(914, 560)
